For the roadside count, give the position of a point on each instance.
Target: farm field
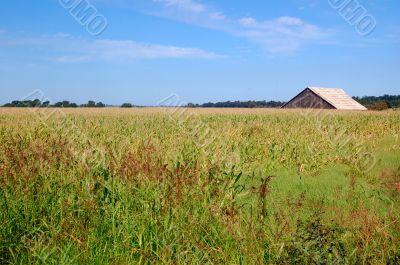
(199, 186)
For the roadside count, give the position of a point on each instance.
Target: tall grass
(272, 187)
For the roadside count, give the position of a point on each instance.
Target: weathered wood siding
(308, 100)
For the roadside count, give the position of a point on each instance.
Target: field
(199, 186)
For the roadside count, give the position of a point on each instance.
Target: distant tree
(100, 105)
(65, 104)
(127, 105)
(243, 104)
(58, 105)
(368, 101)
(24, 104)
(191, 105)
(252, 104)
(380, 105)
(90, 104)
(36, 103)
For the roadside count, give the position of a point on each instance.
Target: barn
(323, 98)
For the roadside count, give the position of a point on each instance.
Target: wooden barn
(323, 98)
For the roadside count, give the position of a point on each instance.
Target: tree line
(371, 102)
(379, 103)
(239, 104)
(46, 104)
(92, 104)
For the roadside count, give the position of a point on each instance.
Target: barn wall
(308, 100)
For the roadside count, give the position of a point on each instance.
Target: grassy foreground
(165, 186)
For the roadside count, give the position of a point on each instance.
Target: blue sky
(199, 50)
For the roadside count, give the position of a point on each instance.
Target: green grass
(219, 187)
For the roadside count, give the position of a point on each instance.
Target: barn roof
(337, 98)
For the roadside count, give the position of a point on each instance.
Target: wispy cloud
(72, 50)
(278, 36)
(122, 50)
(191, 12)
(186, 5)
(282, 35)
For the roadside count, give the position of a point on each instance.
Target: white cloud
(123, 50)
(70, 59)
(282, 35)
(217, 16)
(72, 50)
(186, 5)
(191, 12)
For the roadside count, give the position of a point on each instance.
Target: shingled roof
(325, 98)
(338, 98)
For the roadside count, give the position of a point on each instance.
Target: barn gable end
(307, 99)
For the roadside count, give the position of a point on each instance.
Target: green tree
(380, 105)
(127, 105)
(100, 105)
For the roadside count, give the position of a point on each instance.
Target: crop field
(199, 186)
